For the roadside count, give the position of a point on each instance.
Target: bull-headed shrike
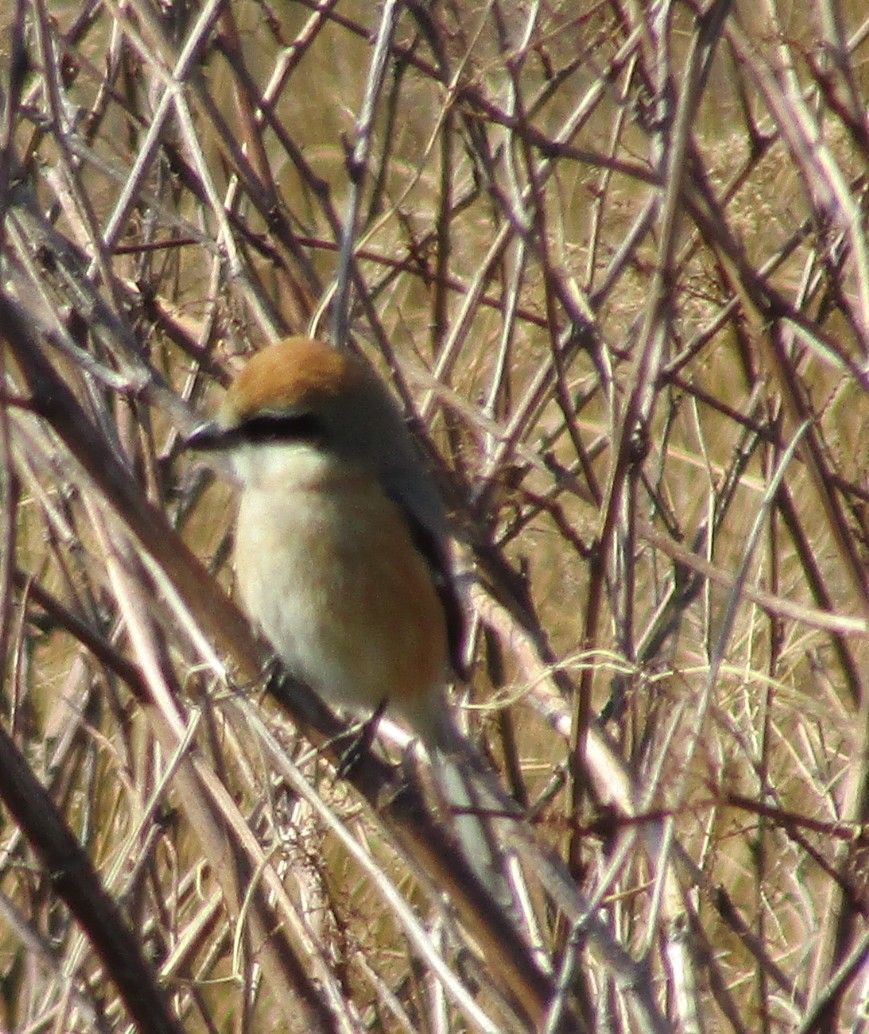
(341, 552)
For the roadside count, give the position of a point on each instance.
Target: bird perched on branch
(341, 549)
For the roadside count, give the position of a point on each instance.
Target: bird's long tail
(460, 774)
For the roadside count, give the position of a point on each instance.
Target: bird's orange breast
(329, 570)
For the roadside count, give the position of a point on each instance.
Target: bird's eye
(281, 427)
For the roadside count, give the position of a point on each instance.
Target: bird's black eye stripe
(281, 427)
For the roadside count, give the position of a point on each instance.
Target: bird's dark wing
(433, 548)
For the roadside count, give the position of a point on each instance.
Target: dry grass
(613, 259)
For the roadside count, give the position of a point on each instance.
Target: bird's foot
(361, 737)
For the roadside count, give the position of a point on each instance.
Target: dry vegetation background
(612, 257)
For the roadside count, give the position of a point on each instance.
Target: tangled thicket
(612, 258)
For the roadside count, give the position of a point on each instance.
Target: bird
(341, 551)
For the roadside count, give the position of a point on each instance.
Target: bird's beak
(209, 437)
